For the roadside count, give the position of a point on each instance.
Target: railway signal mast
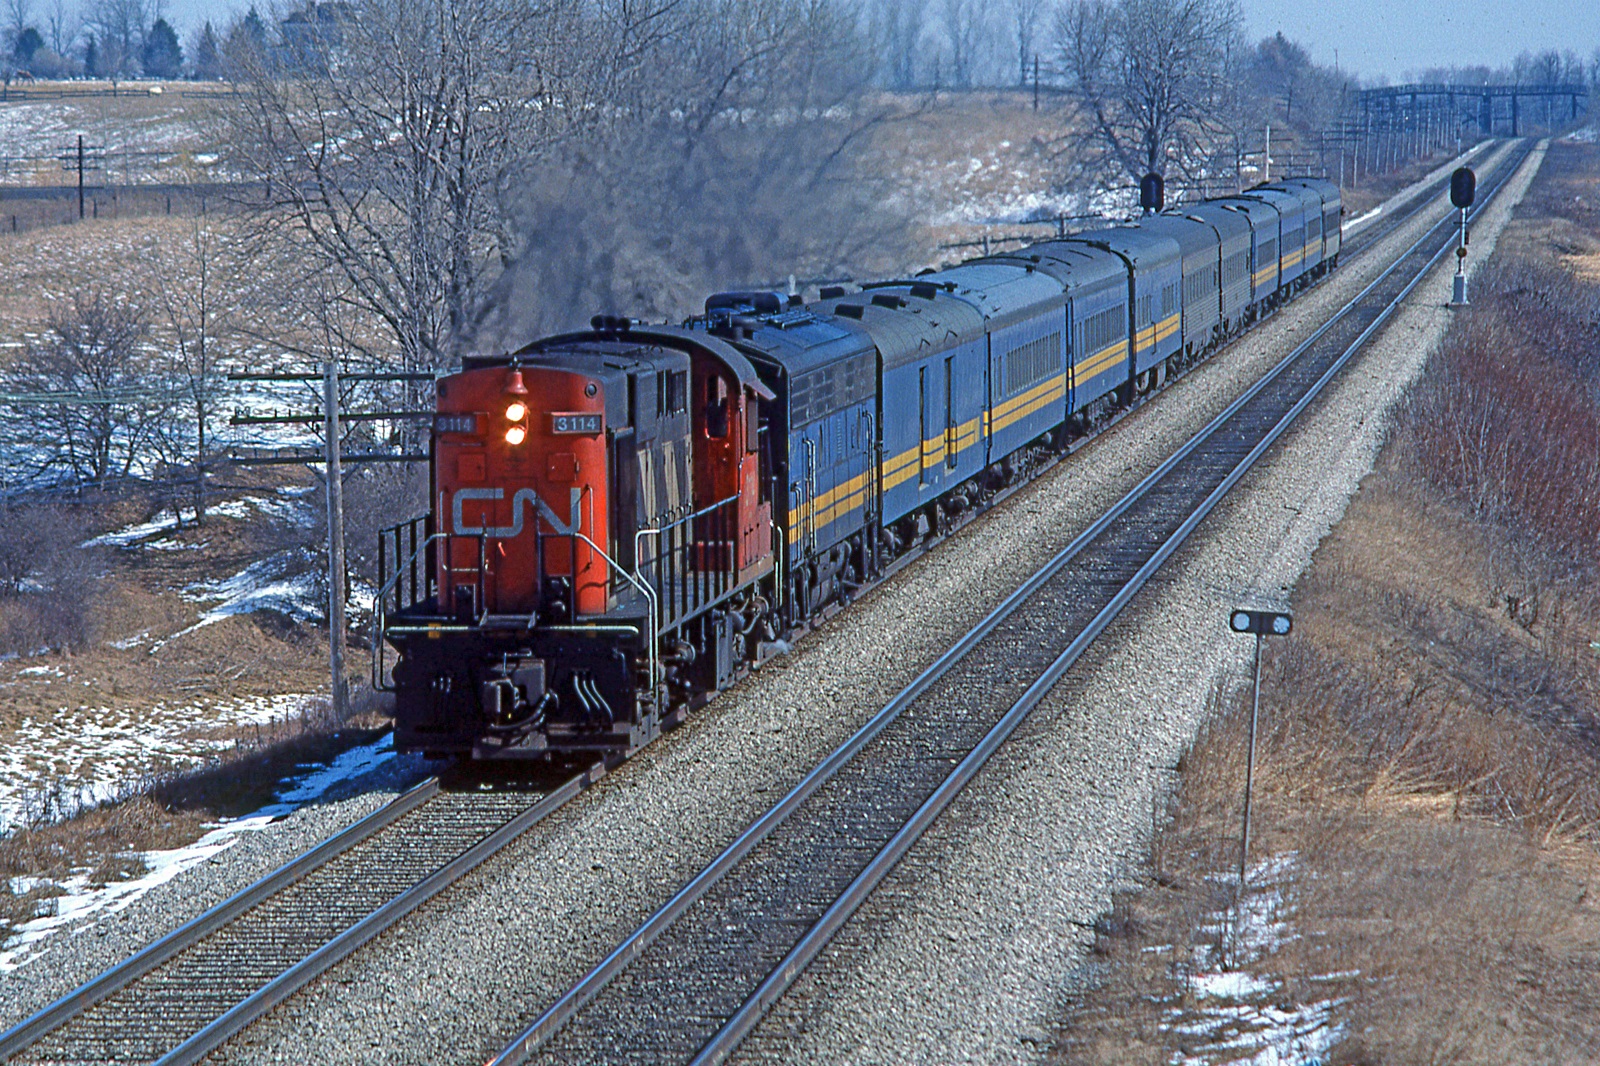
(1152, 193)
(1463, 189)
(1262, 624)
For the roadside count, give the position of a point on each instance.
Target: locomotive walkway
(695, 979)
(185, 995)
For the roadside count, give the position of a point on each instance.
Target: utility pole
(82, 158)
(331, 455)
(1036, 82)
(1266, 157)
(336, 628)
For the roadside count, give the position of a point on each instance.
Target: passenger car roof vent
(924, 291)
(832, 292)
(884, 299)
(850, 310)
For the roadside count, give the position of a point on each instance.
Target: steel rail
(733, 1032)
(571, 1002)
(320, 961)
(316, 961)
(26, 1032)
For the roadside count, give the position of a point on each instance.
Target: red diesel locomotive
(600, 547)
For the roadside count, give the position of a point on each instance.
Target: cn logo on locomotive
(518, 502)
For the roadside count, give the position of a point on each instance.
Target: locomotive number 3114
(588, 424)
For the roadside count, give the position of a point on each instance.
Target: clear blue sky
(1395, 37)
(1374, 37)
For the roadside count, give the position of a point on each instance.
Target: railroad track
(186, 994)
(694, 980)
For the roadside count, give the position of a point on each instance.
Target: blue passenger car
(1155, 280)
(1291, 232)
(1202, 267)
(1024, 315)
(1233, 235)
(1096, 286)
(1311, 205)
(931, 365)
(1332, 212)
(1265, 230)
(824, 374)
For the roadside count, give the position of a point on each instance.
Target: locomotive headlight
(516, 413)
(516, 435)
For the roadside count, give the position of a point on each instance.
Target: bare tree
(1149, 74)
(195, 287)
(94, 402)
(965, 24)
(1025, 16)
(896, 29)
(18, 14)
(388, 148)
(63, 27)
(119, 27)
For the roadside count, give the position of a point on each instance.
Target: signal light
(516, 412)
(516, 435)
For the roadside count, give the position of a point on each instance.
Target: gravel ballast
(467, 970)
(967, 951)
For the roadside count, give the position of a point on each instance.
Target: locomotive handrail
(650, 599)
(379, 613)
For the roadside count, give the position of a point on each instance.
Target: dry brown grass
(1429, 752)
(104, 844)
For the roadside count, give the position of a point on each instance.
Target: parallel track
(186, 994)
(696, 978)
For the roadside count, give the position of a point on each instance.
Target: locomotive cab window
(672, 392)
(716, 408)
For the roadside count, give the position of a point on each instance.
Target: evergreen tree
(207, 54)
(247, 40)
(162, 57)
(91, 57)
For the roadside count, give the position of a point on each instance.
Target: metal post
(1036, 85)
(80, 177)
(336, 627)
(1250, 768)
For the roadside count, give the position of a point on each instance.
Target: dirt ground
(1425, 877)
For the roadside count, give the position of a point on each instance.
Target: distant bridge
(1491, 107)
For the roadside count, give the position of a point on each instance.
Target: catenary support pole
(336, 631)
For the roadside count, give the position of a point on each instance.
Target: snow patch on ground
(79, 758)
(282, 582)
(81, 901)
(287, 506)
(1243, 1015)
